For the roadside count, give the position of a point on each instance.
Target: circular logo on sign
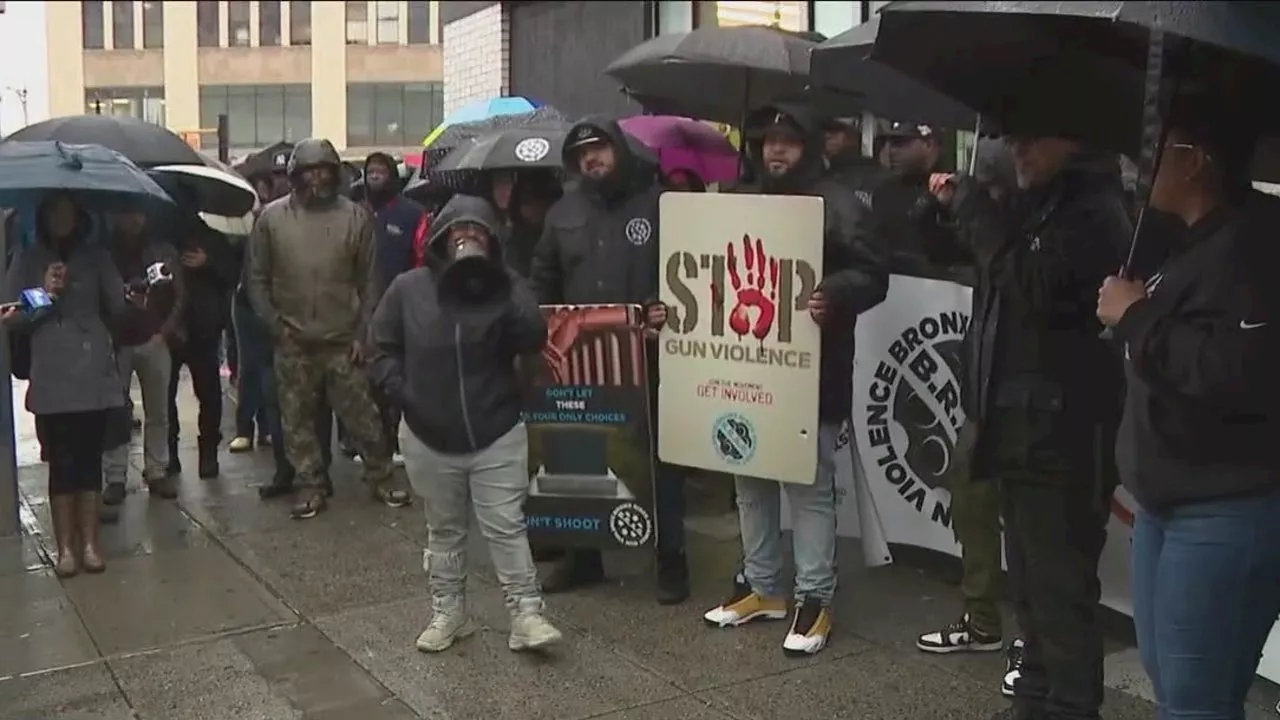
(532, 149)
(638, 230)
(734, 438)
(630, 525)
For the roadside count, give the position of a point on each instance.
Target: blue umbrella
(483, 110)
(98, 178)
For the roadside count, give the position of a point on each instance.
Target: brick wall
(476, 57)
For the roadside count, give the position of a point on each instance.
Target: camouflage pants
(304, 375)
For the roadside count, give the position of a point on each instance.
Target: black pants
(72, 442)
(200, 355)
(1054, 533)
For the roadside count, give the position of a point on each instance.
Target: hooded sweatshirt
(399, 224)
(599, 243)
(452, 367)
(854, 276)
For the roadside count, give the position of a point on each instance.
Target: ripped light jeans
(493, 481)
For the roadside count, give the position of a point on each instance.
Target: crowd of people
(407, 322)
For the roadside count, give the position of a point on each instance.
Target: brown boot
(88, 509)
(63, 510)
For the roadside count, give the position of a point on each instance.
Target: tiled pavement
(218, 607)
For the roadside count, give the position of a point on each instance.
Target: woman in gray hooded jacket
(73, 379)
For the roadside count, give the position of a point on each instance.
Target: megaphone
(472, 277)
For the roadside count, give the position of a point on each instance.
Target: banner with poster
(738, 359)
(590, 450)
(906, 418)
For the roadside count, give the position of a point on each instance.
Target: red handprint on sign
(759, 293)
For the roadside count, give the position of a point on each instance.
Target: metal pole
(9, 524)
(224, 140)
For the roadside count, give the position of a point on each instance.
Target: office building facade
(365, 74)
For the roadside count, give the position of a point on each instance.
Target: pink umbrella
(685, 144)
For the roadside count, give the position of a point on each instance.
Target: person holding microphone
(71, 367)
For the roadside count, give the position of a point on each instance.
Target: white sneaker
(530, 630)
(398, 460)
(446, 628)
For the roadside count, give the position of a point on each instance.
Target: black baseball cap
(586, 135)
(905, 130)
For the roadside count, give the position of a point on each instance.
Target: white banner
(738, 358)
(905, 419)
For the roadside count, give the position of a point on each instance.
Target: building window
(786, 15)
(152, 25)
(300, 22)
(674, 16)
(122, 25)
(207, 23)
(258, 115)
(268, 23)
(91, 20)
(419, 22)
(144, 103)
(392, 114)
(388, 26)
(238, 24)
(357, 22)
(833, 18)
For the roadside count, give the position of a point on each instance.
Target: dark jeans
(256, 352)
(1054, 533)
(72, 442)
(253, 363)
(1206, 593)
(200, 354)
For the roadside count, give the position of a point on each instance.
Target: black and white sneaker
(1012, 667)
(959, 636)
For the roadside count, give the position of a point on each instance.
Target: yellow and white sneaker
(810, 627)
(745, 606)
(240, 444)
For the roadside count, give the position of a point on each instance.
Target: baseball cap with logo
(905, 130)
(280, 160)
(587, 134)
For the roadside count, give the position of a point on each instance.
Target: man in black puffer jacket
(788, 147)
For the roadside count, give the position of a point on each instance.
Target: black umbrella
(842, 65)
(146, 144)
(518, 148)
(460, 133)
(1079, 66)
(716, 73)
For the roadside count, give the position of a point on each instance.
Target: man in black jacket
(1043, 390)
(466, 447)
(788, 149)
(842, 146)
(599, 245)
(208, 275)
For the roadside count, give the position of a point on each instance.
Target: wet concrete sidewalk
(217, 606)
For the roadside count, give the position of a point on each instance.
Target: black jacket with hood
(599, 243)
(1038, 380)
(854, 276)
(451, 368)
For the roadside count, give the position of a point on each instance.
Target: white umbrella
(237, 225)
(211, 189)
